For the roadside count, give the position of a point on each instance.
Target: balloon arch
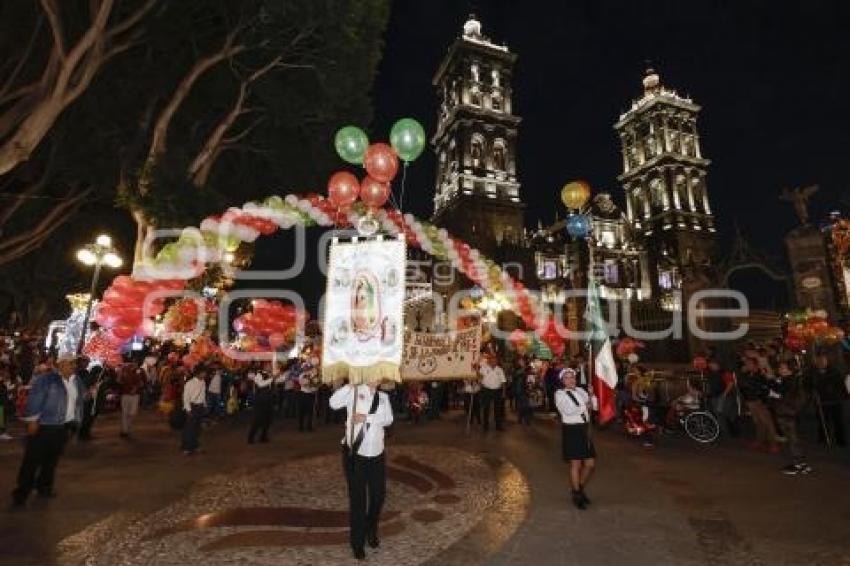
(123, 313)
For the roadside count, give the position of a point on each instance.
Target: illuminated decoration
(363, 328)
(574, 195)
(65, 335)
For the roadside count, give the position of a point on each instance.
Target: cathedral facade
(652, 255)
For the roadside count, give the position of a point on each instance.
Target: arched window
(656, 193)
(476, 151)
(681, 192)
(499, 155)
(475, 96)
(496, 101)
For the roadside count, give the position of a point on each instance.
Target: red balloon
(381, 162)
(374, 193)
(343, 188)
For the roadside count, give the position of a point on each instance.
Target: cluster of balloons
(202, 349)
(574, 195)
(808, 328)
(523, 341)
(269, 325)
(381, 161)
(182, 316)
(100, 346)
(627, 349)
(121, 312)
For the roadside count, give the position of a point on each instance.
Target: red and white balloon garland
(187, 257)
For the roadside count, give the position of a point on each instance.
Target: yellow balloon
(575, 194)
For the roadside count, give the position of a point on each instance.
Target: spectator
(131, 379)
(792, 398)
(831, 392)
(753, 387)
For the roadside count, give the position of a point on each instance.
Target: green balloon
(351, 143)
(408, 139)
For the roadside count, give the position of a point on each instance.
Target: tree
(274, 80)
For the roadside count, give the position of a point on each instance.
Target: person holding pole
(369, 412)
(574, 405)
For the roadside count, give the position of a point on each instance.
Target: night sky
(772, 78)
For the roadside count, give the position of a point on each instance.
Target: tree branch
(201, 166)
(31, 189)
(160, 131)
(51, 10)
(21, 62)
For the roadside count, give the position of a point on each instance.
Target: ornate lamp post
(98, 254)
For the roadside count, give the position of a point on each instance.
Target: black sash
(577, 404)
(355, 446)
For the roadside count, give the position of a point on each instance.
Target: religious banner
(450, 355)
(363, 320)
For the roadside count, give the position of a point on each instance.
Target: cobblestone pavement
(497, 498)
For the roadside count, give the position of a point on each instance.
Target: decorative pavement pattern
(297, 513)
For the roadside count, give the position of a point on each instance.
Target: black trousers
(306, 402)
(192, 428)
(367, 489)
(476, 407)
(492, 397)
(88, 420)
(263, 408)
(833, 415)
(41, 455)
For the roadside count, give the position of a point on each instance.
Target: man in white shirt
(492, 384)
(263, 404)
(368, 412)
(194, 403)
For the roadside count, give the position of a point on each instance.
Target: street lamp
(98, 254)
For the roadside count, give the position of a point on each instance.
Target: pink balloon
(374, 193)
(381, 162)
(343, 188)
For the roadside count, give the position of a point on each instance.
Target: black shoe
(359, 554)
(584, 497)
(47, 493)
(578, 500)
(373, 540)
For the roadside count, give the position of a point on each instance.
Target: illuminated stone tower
(477, 191)
(664, 179)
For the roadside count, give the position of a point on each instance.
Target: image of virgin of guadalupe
(365, 306)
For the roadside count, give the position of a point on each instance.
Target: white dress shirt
(194, 393)
(261, 379)
(71, 398)
(492, 377)
(215, 384)
(373, 438)
(570, 412)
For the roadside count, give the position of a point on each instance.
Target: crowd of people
(775, 388)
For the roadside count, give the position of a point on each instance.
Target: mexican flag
(604, 370)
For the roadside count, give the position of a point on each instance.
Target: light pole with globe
(98, 254)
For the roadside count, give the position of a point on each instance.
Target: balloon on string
(351, 143)
(408, 139)
(343, 188)
(578, 225)
(381, 162)
(575, 194)
(374, 193)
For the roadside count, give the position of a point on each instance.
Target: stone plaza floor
(453, 498)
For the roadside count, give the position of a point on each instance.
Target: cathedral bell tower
(477, 192)
(663, 177)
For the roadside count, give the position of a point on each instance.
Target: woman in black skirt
(574, 405)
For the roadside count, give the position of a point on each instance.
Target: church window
(656, 191)
(499, 156)
(475, 96)
(496, 101)
(477, 151)
(495, 76)
(474, 72)
(611, 275)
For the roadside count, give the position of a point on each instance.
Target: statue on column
(799, 197)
